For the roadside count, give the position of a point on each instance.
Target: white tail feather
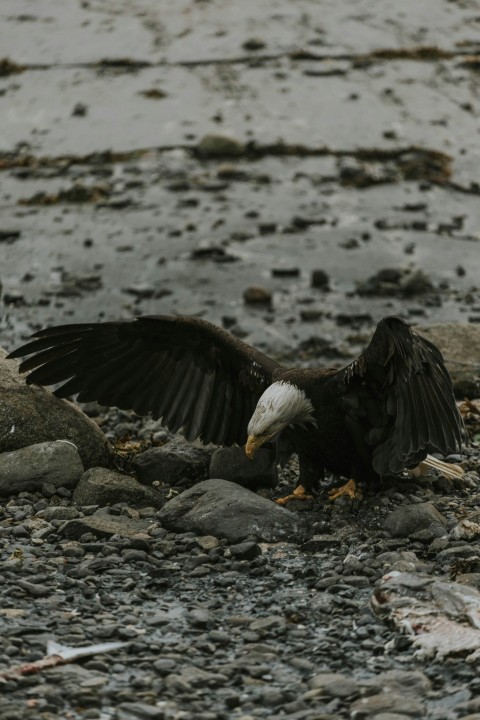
(448, 470)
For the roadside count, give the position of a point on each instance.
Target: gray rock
(391, 716)
(101, 524)
(408, 682)
(267, 623)
(99, 486)
(58, 512)
(199, 617)
(224, 509)
(218, 145)
(333, 685)
(320, 542)
(139, 711)
(208, 542)
(245, 551)
(373, 705)
(409, 519)
(457, 551)
(254, 43)
(472, 707)
(36, 590)
(232, 464)
(320, 279)
(255, 295)
(472, 579)
(30, 415)
(73, 549)
(28, 468)
(416, 283)
(398, 560)
(426, 535)
(172, 463)
(396, 282)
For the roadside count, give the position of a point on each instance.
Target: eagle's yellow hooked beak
(253, 443)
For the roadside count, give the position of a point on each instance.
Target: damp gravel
(215, 630)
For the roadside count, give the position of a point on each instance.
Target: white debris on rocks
(468, 528)
(442, 617)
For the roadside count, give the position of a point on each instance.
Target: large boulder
(225, 509)
(30, 415)
(460, 346)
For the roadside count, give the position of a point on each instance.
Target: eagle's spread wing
(185, 370)
(398, 399)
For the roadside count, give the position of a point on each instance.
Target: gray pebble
(199, 617)
(139, 711)
(373, 705)
(244, 551)
(19, 531)
(333, 685)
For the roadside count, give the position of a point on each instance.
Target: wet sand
(354, 148)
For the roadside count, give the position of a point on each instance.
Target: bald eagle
(378, 416)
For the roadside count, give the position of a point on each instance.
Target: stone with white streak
(30, 415)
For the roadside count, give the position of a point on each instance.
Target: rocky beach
(292, 172)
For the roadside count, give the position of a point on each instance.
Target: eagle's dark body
(381, 414)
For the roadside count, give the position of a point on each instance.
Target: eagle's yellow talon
(298, 494)
(350, 490)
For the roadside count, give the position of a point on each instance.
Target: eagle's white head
(281, 404)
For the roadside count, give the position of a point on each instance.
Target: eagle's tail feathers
(448, 470)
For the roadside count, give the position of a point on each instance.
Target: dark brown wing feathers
(185, 370)
(397, 396)
(400, 390)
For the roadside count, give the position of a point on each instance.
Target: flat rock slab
(30, 415)
(99, 486)
(225, 509)
(29, 468)
(101, 524)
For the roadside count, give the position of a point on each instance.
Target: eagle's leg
(307, 482)
(350, 489)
